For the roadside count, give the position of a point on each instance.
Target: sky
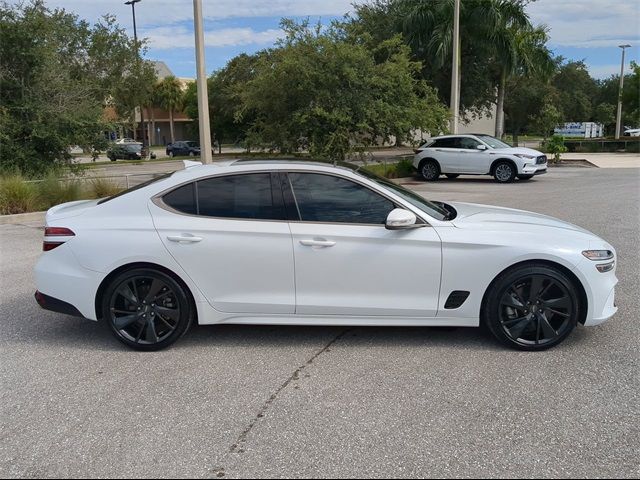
(588, 30)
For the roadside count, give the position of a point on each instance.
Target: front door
(230, 235)
(347, 262)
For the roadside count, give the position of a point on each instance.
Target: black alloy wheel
(532, 307)
(146, 309)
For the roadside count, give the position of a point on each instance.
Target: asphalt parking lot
(243, 401)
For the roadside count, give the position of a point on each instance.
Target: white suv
(477, 154)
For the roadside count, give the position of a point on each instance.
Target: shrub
(403, 168)
(555, 145)
(17, 196)
(53, 191)
(100, 188)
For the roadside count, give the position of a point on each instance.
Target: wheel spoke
(519, 326)
(547, 329)
(562, 302)
(556, 312)
(135, 289)
(126, 292)
(172, 313)
(151, 335)
(511, 301)
(125, 321)
(535, 288)
(121, 312)
(154, 289)
(172, 327)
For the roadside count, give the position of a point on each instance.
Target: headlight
(598, 255)
(525, 156)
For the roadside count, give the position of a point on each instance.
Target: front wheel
(532, 307)
(146, 309)
(504, 172)
(171, 154)
(430, 170)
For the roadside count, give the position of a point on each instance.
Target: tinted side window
(445, 143)
(182, 199)
(239, 196)
(325, 198)
(468, 143)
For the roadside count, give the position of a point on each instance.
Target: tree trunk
(153, 139)
(500, 106)
(516, 133)
(173, 137)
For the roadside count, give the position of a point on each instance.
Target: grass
(18, 195)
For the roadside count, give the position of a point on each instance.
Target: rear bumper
(56, 305)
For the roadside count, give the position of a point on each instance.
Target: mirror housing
(481, 147)
(401, 219)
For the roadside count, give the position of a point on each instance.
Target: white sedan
(305, 243)
(477, 154)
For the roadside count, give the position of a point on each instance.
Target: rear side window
(239, 196)
(451, 142)
(182, 199)
(329, 199)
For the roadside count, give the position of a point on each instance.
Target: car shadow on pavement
(31, 325)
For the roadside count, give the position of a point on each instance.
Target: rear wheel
(430, 170)
(452, 175)
(504, 172)
(146, 309)
(532, 307)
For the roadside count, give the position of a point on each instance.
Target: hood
(522, 150)
(499, 218)
(70, 209)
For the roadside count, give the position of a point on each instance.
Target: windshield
(493, 142)
(436, 211)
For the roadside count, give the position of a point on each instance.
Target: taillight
(51, 237)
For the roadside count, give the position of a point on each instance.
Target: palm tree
(171, 95)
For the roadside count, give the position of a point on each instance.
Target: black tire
(525, 177)
(504, 172)
(452, 175)
(113, 159)
(532, 307)
(430, 170)
(131, 307)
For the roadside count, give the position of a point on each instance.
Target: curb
(20, 218)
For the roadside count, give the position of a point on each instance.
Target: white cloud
(164, 38)
(589, 23)
(605, 71)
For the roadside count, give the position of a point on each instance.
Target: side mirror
(401, 219)
(481, 147)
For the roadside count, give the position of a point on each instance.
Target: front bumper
(534, 169)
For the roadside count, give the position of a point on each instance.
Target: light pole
(135, 39)
(203, 97)
(619, 115)
(455, 73)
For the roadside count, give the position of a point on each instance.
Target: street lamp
(203, 98)
(455, 69)
(135, 39)
(619, 116)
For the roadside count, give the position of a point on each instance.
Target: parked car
(127, 151)
(126, 140)
(189, 148)
(277, 242)
(454, 155)
(632, 132)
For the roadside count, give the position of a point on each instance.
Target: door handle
(317, 243)
(184, 238)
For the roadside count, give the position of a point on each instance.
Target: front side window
(330, 199)
(469, 143)
(239, 196)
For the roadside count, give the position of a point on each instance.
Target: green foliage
(51, 191)
(401, 169)
(325, 91)
(56, 73)
(170, 96)
(17, 195)
(576, 89)
(555, 145)
(547, 118)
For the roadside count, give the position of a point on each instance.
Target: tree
(325, 90)
(605, 113)
(171, 97)
(576, 89)
(547, 118)
(57, 73)
(524, 96)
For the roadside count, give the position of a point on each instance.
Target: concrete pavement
(243, 401)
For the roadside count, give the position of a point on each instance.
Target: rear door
(445, 152)
(230, 235)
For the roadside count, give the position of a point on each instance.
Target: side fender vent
(456, 299)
